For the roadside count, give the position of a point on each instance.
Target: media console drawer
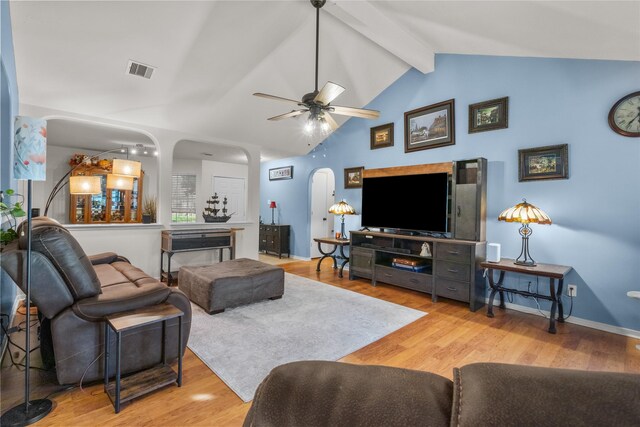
(453, 252)
(407, 279)
(452, 270)
(451, 289)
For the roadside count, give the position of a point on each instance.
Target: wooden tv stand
(453, 271)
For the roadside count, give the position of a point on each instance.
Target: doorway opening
(323, 188)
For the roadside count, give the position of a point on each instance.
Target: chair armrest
(103, 258)
(121, 297)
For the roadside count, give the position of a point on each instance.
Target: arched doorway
(323, 186)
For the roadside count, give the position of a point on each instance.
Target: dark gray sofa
(315, 393)
(74, 292)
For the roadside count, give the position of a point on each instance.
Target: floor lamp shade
(30, 149)
(84, 185)
(126, 167)
(119, 182)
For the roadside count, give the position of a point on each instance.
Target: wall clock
(624, 117)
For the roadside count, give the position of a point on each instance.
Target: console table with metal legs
(555, 274)
(338, 244)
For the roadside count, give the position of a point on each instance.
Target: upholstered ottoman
(215, 287)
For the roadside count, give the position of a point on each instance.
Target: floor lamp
(29, 160)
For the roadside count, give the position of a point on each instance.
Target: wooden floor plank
(449, 336)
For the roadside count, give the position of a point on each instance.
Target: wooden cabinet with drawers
(452, 271)
(274, 239)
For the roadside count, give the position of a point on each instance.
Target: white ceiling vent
(141, 70)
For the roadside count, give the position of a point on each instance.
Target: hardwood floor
(449, 336)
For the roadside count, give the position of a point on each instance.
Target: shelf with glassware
(111, 205)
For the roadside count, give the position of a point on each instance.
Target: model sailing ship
(210, 213)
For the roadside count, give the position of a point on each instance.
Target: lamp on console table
(525, 213)
(342, 208)
(29, 162)
(272, 206)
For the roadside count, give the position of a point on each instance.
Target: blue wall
(8, 109)
(595, 213)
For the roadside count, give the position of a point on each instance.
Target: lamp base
(530, 263)
(21, 416)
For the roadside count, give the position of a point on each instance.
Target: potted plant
(149, 206)
(9, 212)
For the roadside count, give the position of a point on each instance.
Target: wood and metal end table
(551, 271)
(337, 244)
(125, 389)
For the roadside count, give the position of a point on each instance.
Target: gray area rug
(312, 321)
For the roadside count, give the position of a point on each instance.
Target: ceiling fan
(318, 103)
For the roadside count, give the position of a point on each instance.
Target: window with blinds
(183, 198)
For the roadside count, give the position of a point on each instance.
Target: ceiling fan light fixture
(318, 102)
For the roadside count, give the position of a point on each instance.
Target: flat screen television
(406, 202)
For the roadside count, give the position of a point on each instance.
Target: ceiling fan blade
(277, 98)
(293, 113)
(332, 123)
(355, 112)
(328, 93)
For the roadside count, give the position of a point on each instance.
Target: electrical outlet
(572, 290)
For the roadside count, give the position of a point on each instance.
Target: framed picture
(353, 177)
(489, 115)
(277, 174)
(429, 127)
(551, 162)
(382, 136)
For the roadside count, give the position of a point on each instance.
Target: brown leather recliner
(75, 292)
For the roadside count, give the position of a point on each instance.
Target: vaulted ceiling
(212, 55)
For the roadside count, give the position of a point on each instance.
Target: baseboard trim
(618, 330)
(301, 258)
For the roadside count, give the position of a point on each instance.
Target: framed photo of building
(277, 174)
(429, 127)
(550, 162)
(489, 115)
(353, 177)
(382, 136)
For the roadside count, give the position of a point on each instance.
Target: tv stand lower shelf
(449, 269)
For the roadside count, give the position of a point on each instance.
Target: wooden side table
(151, 379)
(337, 244)
(553, 272)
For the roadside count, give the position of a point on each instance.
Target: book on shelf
(410, 262)
(414, 268)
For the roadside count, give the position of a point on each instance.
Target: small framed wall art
(489, 115)
(550, 162)
(429, 127)
(277, 174)
(353, 177)
(382, 136)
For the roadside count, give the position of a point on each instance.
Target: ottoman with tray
(215, 287)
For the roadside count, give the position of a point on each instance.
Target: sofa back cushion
(58, 245)
(318, 393)
(499, 394)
